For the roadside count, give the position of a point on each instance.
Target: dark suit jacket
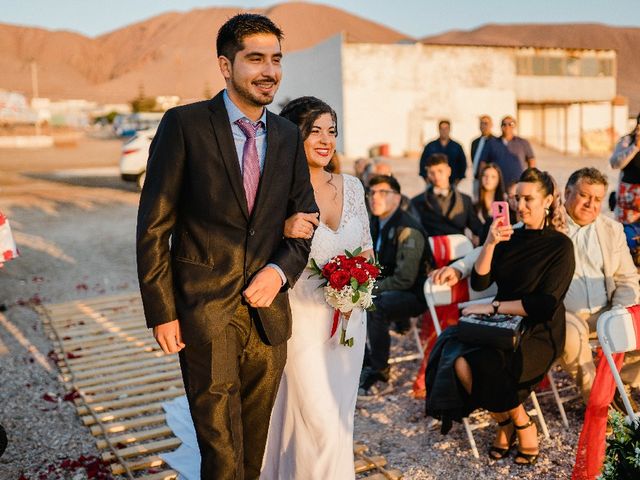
(197, 245)
(474, 148)
(460, 215)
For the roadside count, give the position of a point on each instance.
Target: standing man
(402, 251)
(222, 177)
(517, 146)
(511, 153)
(452, 149)
(477, 147)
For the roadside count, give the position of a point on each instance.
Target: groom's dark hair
(231, 34)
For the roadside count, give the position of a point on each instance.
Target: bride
(311, 430)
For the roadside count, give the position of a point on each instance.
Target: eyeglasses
(508, 124)
(384, 193)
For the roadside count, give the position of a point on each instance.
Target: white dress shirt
(587, 292)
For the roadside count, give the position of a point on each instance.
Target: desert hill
(172, 53)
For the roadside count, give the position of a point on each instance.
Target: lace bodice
(353, 230)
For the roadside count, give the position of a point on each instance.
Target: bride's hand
(301, 225)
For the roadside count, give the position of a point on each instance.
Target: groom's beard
(257, 99)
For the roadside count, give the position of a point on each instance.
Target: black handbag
(497, 330)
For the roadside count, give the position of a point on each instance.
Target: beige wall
(396, 94)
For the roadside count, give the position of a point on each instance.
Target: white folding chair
(459, 246)
(437, 295)
(618, 332)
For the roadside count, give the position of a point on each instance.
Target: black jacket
(404, 253)
(434, 221)
(193, 199)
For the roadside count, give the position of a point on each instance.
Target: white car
(135, 151)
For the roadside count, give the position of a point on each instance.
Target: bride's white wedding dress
(311, 429)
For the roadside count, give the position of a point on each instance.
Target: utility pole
(34, 89)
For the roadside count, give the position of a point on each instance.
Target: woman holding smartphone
(532, 267)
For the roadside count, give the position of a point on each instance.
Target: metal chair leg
(472, 441)
(554, 389)
(541, 419)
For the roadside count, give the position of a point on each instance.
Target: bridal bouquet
(348, 282)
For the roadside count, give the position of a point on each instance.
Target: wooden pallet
(110, 358)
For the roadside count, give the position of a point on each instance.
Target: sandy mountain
(626, 41)
(172, 53)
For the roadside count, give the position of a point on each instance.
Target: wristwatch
(496, 305)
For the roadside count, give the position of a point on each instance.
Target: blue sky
(413, 17)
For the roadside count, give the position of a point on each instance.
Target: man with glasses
(518, 146)
(401, 249)
(511, 153)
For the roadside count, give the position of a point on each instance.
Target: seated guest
(491, 190)
(442, 209)
(605, 276)
(532, 267)
(400, 247)
(448, 147)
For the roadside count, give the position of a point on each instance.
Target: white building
(395, 94)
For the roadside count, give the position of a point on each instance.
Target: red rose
(372, 269)
(341, 258)
(7, 255)
(348, 263)
(328, 269)
(360, 275)
(339, 279)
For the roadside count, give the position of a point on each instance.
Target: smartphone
(500, 210)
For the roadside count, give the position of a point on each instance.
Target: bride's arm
(301, 225)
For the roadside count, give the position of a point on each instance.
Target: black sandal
(498, 453)
(528, 458)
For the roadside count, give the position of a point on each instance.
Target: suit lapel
(603, 240)
(270, 162)
(222, 131)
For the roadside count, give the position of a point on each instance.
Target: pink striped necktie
(250, 160)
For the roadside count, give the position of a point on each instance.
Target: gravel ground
(76, 234)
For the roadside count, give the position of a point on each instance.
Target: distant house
(395, 94)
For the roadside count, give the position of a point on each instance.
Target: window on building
(543, 65)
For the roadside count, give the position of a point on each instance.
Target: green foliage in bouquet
(622, 460)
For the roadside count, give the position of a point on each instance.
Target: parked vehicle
(133, 162)
(127, 125)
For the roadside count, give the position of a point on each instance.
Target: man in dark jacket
(442, 209)
(452, 149)
(400, 246)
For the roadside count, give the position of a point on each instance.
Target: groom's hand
(263, 288)
(169, 337)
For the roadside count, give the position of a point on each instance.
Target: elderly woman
(532, 267)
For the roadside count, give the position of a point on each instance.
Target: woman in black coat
(532, 267)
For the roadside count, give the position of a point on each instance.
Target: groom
(214, 268)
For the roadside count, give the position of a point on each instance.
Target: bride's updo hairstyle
(303, 111)
(555, 217)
